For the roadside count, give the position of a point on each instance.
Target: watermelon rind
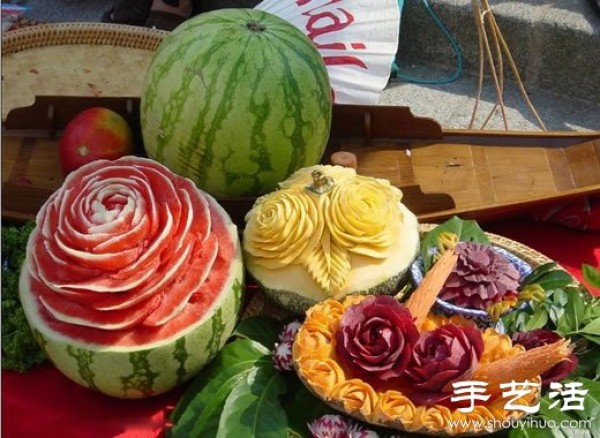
(144, 370)
(233, 109)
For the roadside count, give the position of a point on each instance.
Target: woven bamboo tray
(75, 59)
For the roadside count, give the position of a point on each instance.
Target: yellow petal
(356, 396)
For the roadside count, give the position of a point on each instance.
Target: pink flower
(336, 426)
(282, 354)
(329, 426)
(375, 339)
(539, 338)
(289, 331)
(482, 277)
(440, 357)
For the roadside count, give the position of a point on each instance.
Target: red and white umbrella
(358, 40)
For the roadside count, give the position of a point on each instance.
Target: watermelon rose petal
(131, 261)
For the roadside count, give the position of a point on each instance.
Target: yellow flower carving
(394, 406)
(326, 310)
(285, 228)
(323, 375)
(432, 418)
(497, 346)
(363, 216)
(356, 396)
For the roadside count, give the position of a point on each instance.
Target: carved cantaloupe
(328, 232)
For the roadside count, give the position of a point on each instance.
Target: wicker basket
(75, 59)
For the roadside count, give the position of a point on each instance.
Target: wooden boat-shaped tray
(474, 174)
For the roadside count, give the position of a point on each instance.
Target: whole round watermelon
(236, 100)
(133, 277)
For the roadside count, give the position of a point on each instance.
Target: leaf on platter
(593, 328)
(555, 279)
(591, 275)
(466, 230)
(517, 320)
(538, 320)
(340, 267)
(574, 312)
(261, 329)
(538, 273)
(253, 409)
(235, 357)
(302, 407)
(591, 404)
(560, 297)
(555, 312)
(206, 421)
(592, 310)
(589, 362)
(318, 264)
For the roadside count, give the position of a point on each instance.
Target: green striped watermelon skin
(236, 110)
(139, 372)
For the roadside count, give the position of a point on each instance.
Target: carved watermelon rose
(375, 339)
(443, 356)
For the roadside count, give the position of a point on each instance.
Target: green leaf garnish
(235, 358)
(20, 351)
(252, 408)
(591, 275)
(260, 329)
(466, 230)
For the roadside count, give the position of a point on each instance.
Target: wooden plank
(484, 179)
(487, 176)
(584, 163)
(561, 170)
(448, 169)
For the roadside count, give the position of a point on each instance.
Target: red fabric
(44, 403)
(580, 214)
(569, 247)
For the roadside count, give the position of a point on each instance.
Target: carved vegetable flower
(441, 357)
(284, 228)
(375, 338)
(123, 244)
(328, 233)
(482, 277)
(538, 338)
(362, 214)
(336, 426)
(282, 354)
